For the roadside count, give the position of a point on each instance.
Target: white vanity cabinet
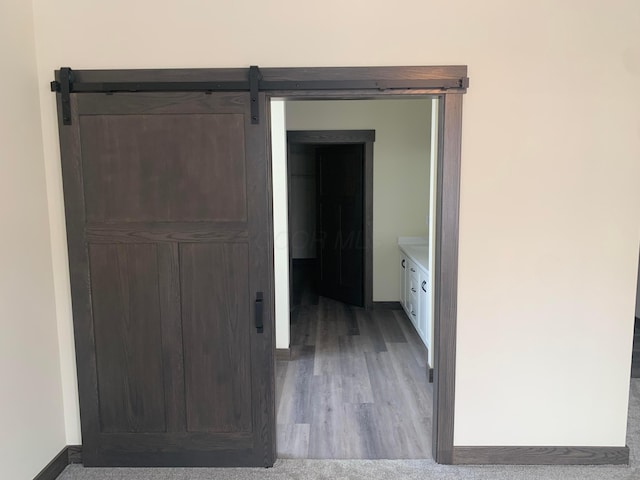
(412, 294)
(415, 289)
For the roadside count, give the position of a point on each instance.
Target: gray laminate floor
(356, 386)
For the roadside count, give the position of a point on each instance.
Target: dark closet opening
(326, 201)
(330, 196)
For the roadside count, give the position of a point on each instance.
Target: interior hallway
(356, 385)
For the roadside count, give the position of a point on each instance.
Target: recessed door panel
(187, 167)
(126, 317)
(216, 326)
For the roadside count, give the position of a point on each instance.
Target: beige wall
(31, 415)
(550, 210)
(400, 171)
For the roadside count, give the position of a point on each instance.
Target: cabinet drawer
(413, 286)
(412, 270)
(413, 309)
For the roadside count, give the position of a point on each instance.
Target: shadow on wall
(638, 292)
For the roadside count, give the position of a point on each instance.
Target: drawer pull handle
(413, 270)
(413, 290)
(403, 263)
(424, 282)
(413, 313)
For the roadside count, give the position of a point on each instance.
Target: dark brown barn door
(168, 218)
(341, 222)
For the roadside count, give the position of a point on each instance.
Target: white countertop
(417, 249)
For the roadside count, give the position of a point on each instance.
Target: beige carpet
(384, 469)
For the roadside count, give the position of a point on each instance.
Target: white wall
(433, 195)
(31, 415)
(550, 210)
(280, 220)
(400, 171)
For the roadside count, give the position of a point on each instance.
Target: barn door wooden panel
(168, 218)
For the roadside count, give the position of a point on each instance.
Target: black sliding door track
(253, 79)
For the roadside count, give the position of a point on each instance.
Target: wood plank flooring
(356, 386)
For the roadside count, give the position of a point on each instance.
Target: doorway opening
(203, 228)
(354, 382)
(330, 212)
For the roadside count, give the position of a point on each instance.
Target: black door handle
(258, 312)
(403, 263)
(424, 282)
